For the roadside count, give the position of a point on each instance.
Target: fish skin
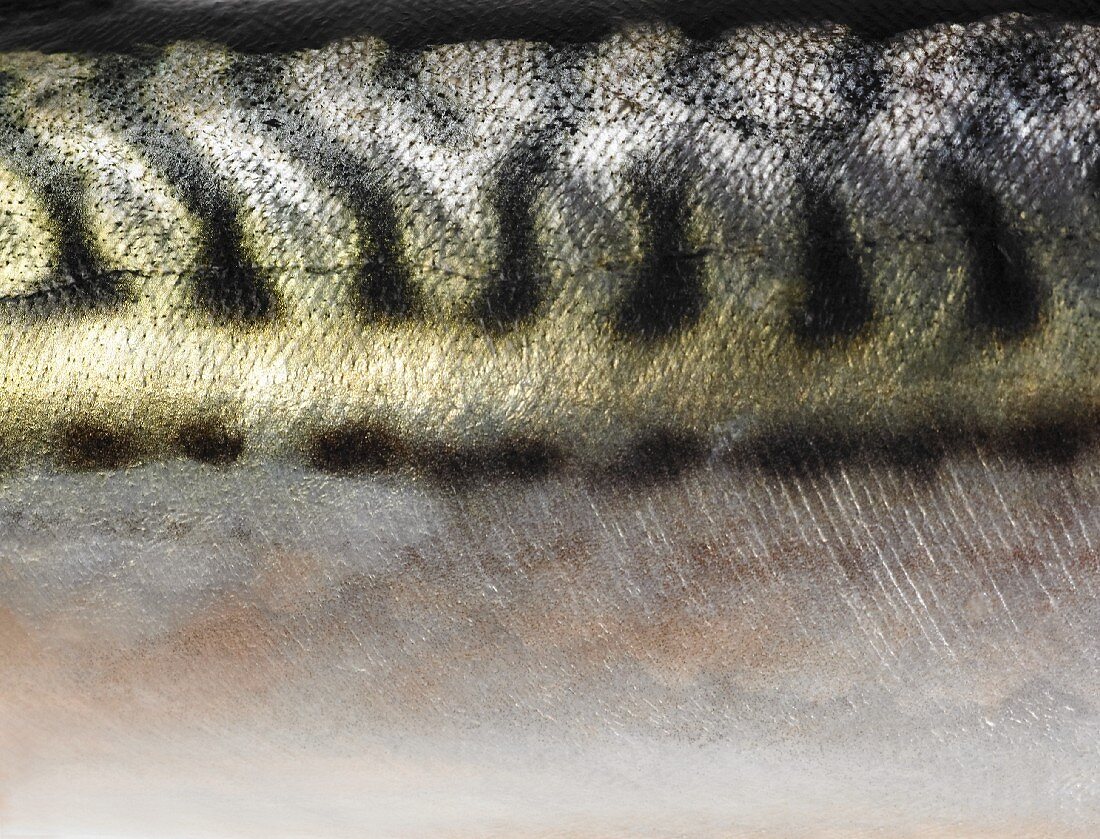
(189, 650)
(514, 245)
(239, 597)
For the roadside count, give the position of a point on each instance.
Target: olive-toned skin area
(362, 256)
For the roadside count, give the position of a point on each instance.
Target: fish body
(363, 253)
(683, 431)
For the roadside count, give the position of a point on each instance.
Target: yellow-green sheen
(938, 161)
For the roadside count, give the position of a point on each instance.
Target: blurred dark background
(261, 25)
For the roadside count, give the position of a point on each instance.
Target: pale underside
(190, 652)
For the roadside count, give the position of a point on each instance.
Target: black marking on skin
(516, 293)
(571, 92)
(660, 454)
(521, 459)
(87, 445)
(364, 447)
(918, 455)
(860, 77)
(1094, 179)
(385, 289)
(807, 453)
(228, 284)
(838, 303)
(1052, 442)
(1024, 63)
(396, 73)
(81, 280)
(802, 454)
(1020, 75)
(667, 294)
(694, 77)
(817, 452)
(209, 442)
(1005, 297)
(354, 448)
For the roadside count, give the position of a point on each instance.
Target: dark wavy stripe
(1005, 296)
(837, 304)
(81, 281)
(227, 284)
(667, 294)
(515, 293)
(385, 286)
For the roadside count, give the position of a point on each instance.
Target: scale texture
(686, 430)
(512, 252)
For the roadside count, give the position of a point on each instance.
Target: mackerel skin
(292, 341)
(363, 256)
